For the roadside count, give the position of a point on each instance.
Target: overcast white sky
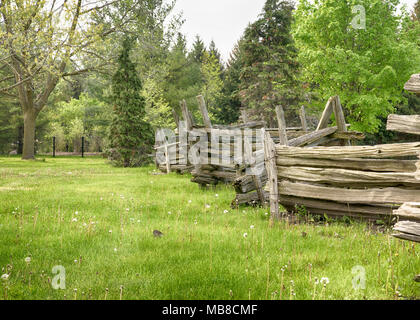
(222, 20)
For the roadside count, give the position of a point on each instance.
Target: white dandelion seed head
(245, 235)
(110, 231)
(115, 249)
(325, 281)
(207, 206)
(189, 201)
(74, 220)
(76, 213)
(28, 260)
(226, 211)
(252, 227)
(5, 277)
(75, 261)
(127, 209)
(216, 195)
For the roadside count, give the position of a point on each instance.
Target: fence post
(53, 147)
(271, 167)
(83, 147)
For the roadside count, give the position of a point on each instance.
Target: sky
(223, 21)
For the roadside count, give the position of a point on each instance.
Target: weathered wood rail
(245, 185)
(372, 182)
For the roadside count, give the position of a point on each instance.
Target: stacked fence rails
(249, 187)
(372, 182)
(366, 181)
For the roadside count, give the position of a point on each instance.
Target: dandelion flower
(325, 281)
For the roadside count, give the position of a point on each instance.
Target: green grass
(203, 254)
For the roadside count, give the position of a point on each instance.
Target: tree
(183, 79)
(417, 10)
(198, 50)
(270, 69)
(130, 135)
(45, 41)
(213, 84)
(366, 66)
(215, 52)
(227, 110)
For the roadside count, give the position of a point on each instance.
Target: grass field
(97, 222)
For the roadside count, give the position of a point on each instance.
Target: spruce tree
(130, 135)
(198, 50)
(229, 104)
(270, 70)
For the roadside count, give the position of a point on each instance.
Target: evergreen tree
(228, 107)
(197, 52)
(215, 52)
(130, 135)
(270, 70)
(184, 79)
(213, 84)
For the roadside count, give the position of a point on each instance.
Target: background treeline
(293, 55)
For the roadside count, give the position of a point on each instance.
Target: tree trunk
(29, 119)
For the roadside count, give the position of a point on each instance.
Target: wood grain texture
(413, 85)
(376, 165)
(405, 124)
(357, 179)
(393, 196)
(407, 230)
(376, 152)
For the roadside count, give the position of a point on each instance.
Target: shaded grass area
(97, 222)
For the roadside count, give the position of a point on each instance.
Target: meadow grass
(97, 222)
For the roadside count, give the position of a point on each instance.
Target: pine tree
(229, 104)
(130, 135)
(215, 52)
(198, 50)
(270, 69)
(213, 84)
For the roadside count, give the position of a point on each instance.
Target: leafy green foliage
(130, 135)
(368, 67)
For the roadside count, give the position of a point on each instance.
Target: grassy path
(97, 222)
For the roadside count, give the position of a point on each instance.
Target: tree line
(114, 71)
